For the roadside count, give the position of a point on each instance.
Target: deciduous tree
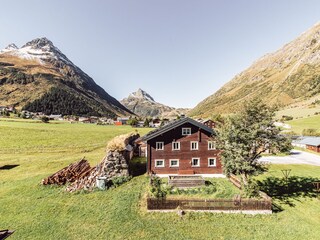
(245, 136)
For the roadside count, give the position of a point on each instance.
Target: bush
(251, 189)
(45, 119)
(210, 189)
(310, 132)
(156, 188)
(117, 181)
(286, 118)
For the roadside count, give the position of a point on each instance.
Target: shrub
(310, 132)
(286, 118)
(45, 119)
(210, 189)
(251, 189)
(156, 188)
(117, 181)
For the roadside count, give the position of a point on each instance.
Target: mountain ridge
(144, 105)
(287, 76)
(40, 67)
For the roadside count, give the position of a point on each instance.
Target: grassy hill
(288, 76)
(304, 123)
(42, 212)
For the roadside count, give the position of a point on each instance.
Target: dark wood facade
(313, 148)
(209, 123)
(184, 155)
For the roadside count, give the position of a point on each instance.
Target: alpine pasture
(30, 151)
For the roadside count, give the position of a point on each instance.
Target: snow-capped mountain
(40, 49)
(143, 104)
(39, 77)
(140, 94)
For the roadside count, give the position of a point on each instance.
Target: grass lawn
(32, 151)
(304, 123)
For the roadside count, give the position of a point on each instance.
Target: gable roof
(313, 141)
(174, 124)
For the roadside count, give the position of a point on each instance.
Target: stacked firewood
(80, 175)
(69, 174)
(87, 182)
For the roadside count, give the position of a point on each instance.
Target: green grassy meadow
(47, 212)
(304, 123)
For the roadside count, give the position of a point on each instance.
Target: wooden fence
(236, 204)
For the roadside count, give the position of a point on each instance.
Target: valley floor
(32, 151)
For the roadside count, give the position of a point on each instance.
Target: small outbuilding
(311, 143)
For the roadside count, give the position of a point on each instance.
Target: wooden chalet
(314, 145)
(311, 143)
(208, 122)
(183, 147)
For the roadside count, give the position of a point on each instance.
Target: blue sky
(179, 51)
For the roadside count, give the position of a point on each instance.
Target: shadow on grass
(8, 167)
(286, 191)
(137, 167)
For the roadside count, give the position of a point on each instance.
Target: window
(211, 145)
(212, 162)
(186, 131)
(159, 145)
(159, 163)
(195, 162)
(175, 145)
(194, 145)
(174, 162)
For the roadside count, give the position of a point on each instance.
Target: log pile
(69, 174)
(80, 175)
(113, 165)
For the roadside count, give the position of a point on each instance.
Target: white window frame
(198, 162)
(186, 131)
(158, 160)
(174, 160)
(196, 143)
(213, 145)
(162, 143)
(215, 162)
(173, 149)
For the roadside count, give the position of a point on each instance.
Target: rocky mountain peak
(41, 49)
(39, 43)
(11, 46)
(141, 94)
(142, 104)
(42, 67)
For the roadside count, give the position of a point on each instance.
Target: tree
(132, 122)
(146, 122)
(245, 136)
(45, 119)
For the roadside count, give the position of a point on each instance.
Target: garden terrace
(186, 181)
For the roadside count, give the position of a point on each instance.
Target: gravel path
(296, 157)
